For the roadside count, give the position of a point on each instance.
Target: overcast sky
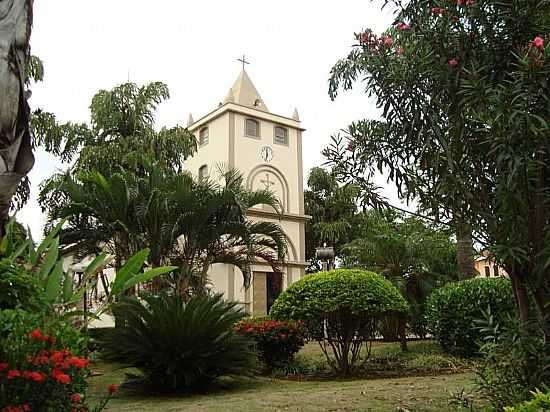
(192, 46)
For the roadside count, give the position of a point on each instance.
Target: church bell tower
(266, 148)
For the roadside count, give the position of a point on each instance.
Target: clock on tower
(266, 148)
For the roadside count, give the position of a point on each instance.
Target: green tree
(414, 256)
(121, 134)
(333, 209)
(463, 89)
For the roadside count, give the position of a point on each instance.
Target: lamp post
(326, 255)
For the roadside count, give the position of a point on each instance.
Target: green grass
(420, 393)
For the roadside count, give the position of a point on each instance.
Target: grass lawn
(424, 393)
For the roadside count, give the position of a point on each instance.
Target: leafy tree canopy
(463, 88)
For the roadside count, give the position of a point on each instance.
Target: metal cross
(243, 61)
(267, 182)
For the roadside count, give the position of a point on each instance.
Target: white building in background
(266, 148)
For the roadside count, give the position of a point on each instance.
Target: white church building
(266, 148)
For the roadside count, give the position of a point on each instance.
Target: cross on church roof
(243, 61)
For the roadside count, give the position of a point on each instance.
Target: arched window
(252, 128)
(203, 136)
(203, 172)
(280, 135)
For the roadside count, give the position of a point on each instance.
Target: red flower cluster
(438, 11)
(452, 63)
(23, 408)
(37, 336)
(277, 341)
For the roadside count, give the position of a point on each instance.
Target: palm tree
(184, 221)
(100, 214)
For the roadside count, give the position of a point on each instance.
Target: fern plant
(177, 345)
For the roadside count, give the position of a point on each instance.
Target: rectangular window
(281, 135)
(487, 271)
(252, 128)
(203, 136)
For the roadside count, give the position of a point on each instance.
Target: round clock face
(266, 153)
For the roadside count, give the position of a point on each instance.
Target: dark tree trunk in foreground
(16, 158)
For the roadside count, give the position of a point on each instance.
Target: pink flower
(402, 26)
(538, 42)
(460, 2)
(400, 50)
(386, 41)
(452, 62)
(438, 11)
(350, 146)
(76, 398)
(470, 3)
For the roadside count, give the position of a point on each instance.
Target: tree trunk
(16, 158)
(464, 250)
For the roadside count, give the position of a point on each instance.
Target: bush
(540, 402)
(341, 310)
(516, 361)
(276, 341)
(453, 309)
(38, 371)
(179, 346)
(19, 288)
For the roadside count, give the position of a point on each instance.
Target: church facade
(267, 149)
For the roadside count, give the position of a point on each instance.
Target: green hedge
(452, 311)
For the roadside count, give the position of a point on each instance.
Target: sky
(193, 47)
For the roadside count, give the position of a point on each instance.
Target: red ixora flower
(452, 62)
(402, 26)
(79, 363)
(38, 377)
(61, 377)
(538, 42)
(438, 11)
(76, 398)
(112, 388)
(14, 373)
(36, 334)
(3, 366)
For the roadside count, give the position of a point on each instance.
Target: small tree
(341, 310)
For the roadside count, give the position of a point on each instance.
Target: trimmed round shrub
(341, 309)
(277, 341)
(452, 311)
(179, 346)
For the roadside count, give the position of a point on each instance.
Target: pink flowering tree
(463, 87)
